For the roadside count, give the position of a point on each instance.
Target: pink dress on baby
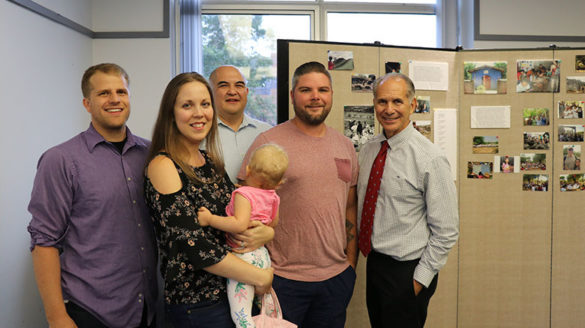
(264, 207)
(264, 204)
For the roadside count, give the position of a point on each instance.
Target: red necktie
(369, 208)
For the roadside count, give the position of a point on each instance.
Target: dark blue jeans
(316, 304)
(200, 315)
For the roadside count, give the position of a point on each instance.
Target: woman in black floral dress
(180, 178)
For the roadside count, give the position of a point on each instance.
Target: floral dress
(185, 247)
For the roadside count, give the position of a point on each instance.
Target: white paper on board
(490, 117)
(445, 135)
(429, 75)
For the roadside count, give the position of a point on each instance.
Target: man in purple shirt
(92, 241)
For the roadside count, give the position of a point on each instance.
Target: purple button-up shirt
(87, 201)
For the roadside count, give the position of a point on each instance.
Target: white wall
(147, 62)
(40, 106)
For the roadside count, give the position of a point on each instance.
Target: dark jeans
(84, 319)
(200, 315)
(316, 304)
(390, 293)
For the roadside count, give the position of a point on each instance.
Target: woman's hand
(255, 236)
(266, 284)
(204, 216)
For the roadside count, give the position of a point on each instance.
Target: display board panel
(505, 231)
(568, 229)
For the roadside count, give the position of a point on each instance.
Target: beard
(309, 119)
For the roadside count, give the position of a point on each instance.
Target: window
(367, 28)
(244, 33)
(249, 43)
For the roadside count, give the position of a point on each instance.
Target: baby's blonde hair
(269, 163)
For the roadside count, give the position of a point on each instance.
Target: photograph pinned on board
(570, 109)
(571, 157)
(535, 116)
(538, 75)
(536, 140)
(535, 182)
(532, 162)
(572, 182)
(575, 84)
(485, 77)
(485, 145)
(392, 67)
(424, 127)
(580, 63)
(423, 104)
(358, 124)
(362, 82)
(571, 133)
(480, 170)
(505, 164)
(340, 60)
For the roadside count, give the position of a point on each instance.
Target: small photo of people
(571, 133)
(580, 63)
(480, 170)
(358, 124)
(362, 82)
(535, 182)
(423, 104)
(485, 145)
(536, 140)
(340, 60)
(424, 127)
(575, 84)
(538, 75)
(392, 67)
(571, 157)
(570, 109)
(507, 164)
(535, 116)
(572, 182)
(532, 161)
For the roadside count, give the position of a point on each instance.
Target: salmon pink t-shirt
(310, 238)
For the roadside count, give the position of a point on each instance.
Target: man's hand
(417, 287)
(255, 236)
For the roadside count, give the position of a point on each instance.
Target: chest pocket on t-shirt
(343, 169)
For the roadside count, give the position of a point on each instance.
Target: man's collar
(398, 138)
(246, 121)
(93, 138)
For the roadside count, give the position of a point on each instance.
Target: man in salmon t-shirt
(314, 251)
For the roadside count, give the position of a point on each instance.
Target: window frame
(319, 9)
(254, 8)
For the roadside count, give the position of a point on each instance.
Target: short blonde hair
(269, 163)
